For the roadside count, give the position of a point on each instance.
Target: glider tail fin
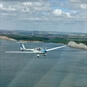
(22, 47)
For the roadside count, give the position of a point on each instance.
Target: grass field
(48, 39)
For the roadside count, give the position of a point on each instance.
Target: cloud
(25, 6)
(36, 19)
(27, 3)
(38, 6)
(39, 9)
(22, 0)
(78, 4)
(79, 1)
(83, 6)
(7, 8)
(49, 11)
(1, 6)
(57, 12)
(68, 14)
(60, 13)
(8, 14)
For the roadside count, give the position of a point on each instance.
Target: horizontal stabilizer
(18, 52)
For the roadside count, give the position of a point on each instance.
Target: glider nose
(44, 51)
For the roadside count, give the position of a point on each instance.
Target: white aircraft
(38, 50)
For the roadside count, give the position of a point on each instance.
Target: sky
(44, 15)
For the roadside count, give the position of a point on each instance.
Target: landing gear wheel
(45, 54)
(38, 55)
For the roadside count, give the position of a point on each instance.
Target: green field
(48, 39)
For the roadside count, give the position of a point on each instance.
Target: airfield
(65, 67)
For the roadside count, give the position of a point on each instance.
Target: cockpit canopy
(39, 48)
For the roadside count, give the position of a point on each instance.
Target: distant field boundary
(44, 39)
